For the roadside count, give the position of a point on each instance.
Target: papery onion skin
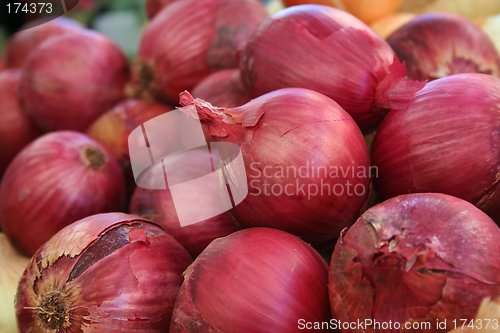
(419, 257)
(332, 52)
(106, 273)
(24, 42)
(255, 280)
(57, 179)
(153, 7)
(190, 39)
(297, 129)
(437, 45)
(16, 129)
(447, 141)
(223, 88)
(72, 79)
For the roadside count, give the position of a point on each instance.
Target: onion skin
(106, 273)
(293, 128)
(153, 7)
(62, 84)
(24, 42)
(424, 149)
(437, 45)
(417, 257)
(333, 53)
(255, 280)
(189, 40)
(16, 129)
(57, 179)
(223, 88)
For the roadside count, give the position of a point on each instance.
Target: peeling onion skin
(72, 79)
(333, 53)
(16, 129)
(107, 273)
(254, 280)
(223, 88)
(293, 128)
(436, 45)
(448, 141)
(59, 178)
(190, 39)
(24, 42)
(417, 257)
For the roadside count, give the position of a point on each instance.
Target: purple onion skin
(437, 45)
(448, 141)
(223, 88)
(106, 273)
(418, 257)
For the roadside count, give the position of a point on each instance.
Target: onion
(436, 45)
(366, 10)
(448, 141)
(24, 42)
(57, 179)
(16, 130)
(412, 259)
(307, 164)
(105, 273)
(71, 80)
(255, 280)
(387, 25)
(153, 7)
(13, 265)
(189, 40)
(223, 88)
(331, 52)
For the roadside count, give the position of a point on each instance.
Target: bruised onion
(333, 53)
(57, 179)
(106, 273)
(437, 45)
(415, 259)
(255, 280)
(13, 266)
(72, 79)
(447, 141)
(24, 42)
(16, 129)
(190, 39)
(307, 164)
(223, 88)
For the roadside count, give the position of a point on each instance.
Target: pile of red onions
(436, 45)
(223, 88)
(105, 273)
(307, 163)
(331, 52)
(57, 179)
(16, 129)
(190, 39)
(24, 42)
(153, 7)
(412, 259)
(72, 79)
(255, 280)
(448, 141)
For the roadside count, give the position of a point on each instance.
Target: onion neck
(93, 157)
(142, 86)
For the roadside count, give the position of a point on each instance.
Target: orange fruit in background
(366, 10)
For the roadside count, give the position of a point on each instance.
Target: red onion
(71, 80)
(191, 39)
(153, 7)
(255, 280)
(413, 259)
(448, 141)
(306, 161)
(24, 42)
(16, 130)
(57, 179)
(106, 273)
(223, 88)
(331, 52)
(436, 45)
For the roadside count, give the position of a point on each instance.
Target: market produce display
(260, 166)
